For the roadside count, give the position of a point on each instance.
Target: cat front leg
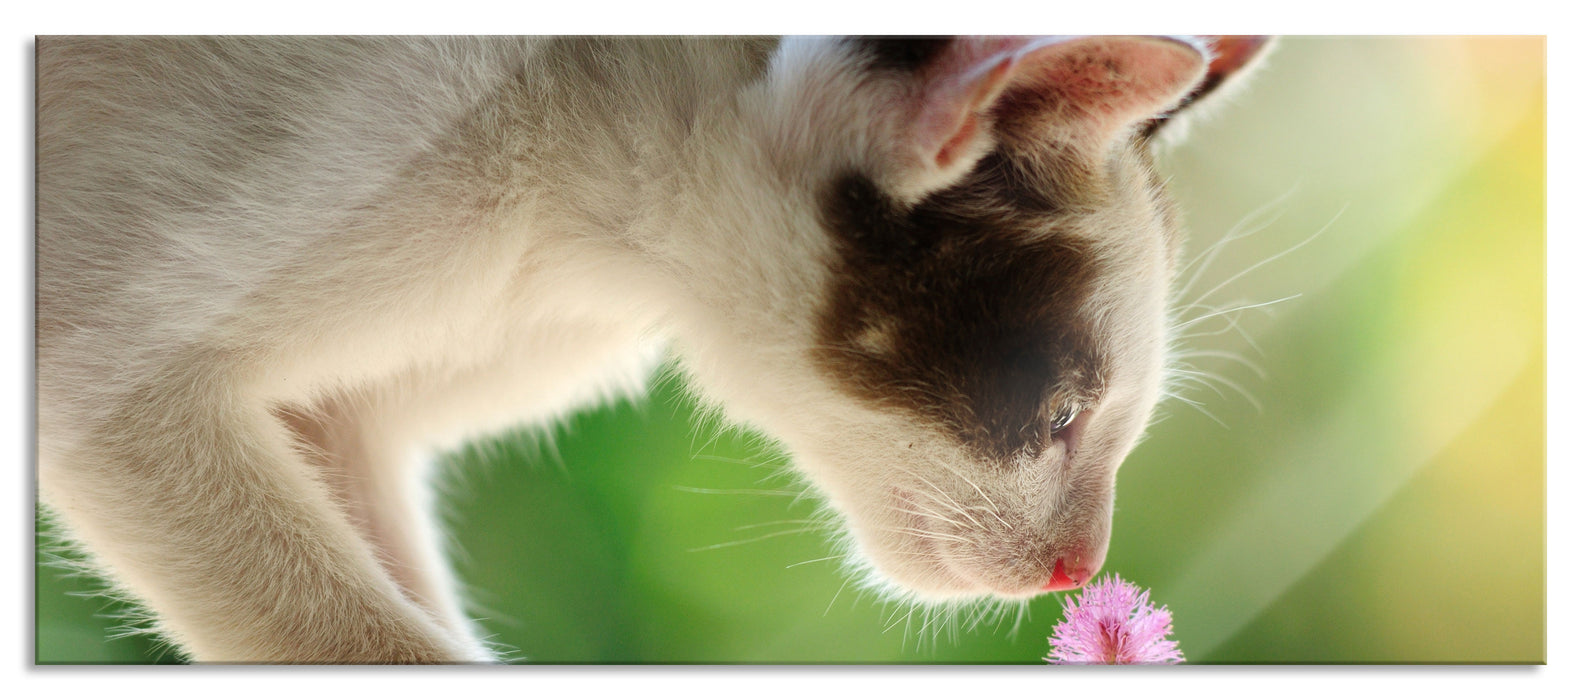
(381, 478)
(192, 495)
(374, 446)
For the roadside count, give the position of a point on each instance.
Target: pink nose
(1062, 580)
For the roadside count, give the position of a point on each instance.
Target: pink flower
(1112, 622)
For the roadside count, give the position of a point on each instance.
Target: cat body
(274, 273)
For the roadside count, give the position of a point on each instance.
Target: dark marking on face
(962, 309)
(1048, 187)
(901, 53)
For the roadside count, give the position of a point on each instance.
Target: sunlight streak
(1285, 527)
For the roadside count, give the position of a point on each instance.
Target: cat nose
(1064, 580)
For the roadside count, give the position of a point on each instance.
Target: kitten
(275, 272)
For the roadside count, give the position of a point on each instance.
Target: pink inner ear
(959, 88)
(953, 148)
(1099, 85)
(1232, 53)
(957, 110)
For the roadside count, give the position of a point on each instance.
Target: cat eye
(1062, 419)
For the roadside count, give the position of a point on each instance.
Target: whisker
(1222, 354)
(813, 561)
(1187, 376)
(1236, 233)
(894, 615)
(803, 521)
(1231, 324)
(1199, 407)
(736, 492)
(831, 605)
(1221, 312)
(731, 460)
(1023, 610)
(930, 534)
(1170, 393)
(1204, 376)
(954, 507)
(993, 509)
(948, 502)
(750, 540)
(935, 516)
(1270, 259)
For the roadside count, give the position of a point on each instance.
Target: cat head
(966, 332)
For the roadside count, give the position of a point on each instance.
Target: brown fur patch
(979, 291)
(901, 53)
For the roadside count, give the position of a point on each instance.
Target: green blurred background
(1379, 497)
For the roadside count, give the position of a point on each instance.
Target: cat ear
(968, 92)
(1235, 58)
(1087, 92)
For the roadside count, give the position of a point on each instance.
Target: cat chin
(899, 564)
(936, 527)
(928, 583)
